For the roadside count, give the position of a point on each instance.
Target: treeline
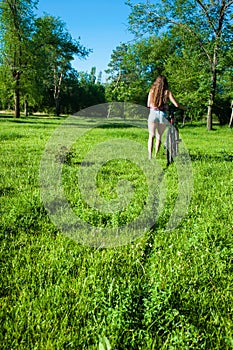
(35, 68)
(188, 41)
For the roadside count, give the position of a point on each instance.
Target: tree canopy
(36, 56)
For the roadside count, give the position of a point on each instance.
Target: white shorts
(157, 123)
(158, 116)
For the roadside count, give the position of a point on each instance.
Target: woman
(158, 98)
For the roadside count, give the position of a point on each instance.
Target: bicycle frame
(172, 139)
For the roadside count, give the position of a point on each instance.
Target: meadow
(163, 290)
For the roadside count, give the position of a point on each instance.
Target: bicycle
(172, 138)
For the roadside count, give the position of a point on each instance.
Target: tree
(37, 52)
(57, 49)
(205, 23)
(90, 91)
(17, 27)
(133, 67)
(187, 72)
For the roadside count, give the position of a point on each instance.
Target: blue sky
(100, 24)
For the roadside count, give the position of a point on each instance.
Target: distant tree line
(35, 65)
(190, 41)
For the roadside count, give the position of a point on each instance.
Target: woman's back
(158, 93)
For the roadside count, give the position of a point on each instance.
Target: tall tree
(35, 51)
(17, 27)
(56, 49)
(206, 22)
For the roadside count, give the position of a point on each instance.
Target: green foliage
(201, 29)
(166, 290)
(56, 51)
(134, 66)
(37, 54)
(17, 28)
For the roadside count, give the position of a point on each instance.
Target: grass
(165, 290)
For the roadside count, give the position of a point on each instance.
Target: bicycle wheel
(169, 146)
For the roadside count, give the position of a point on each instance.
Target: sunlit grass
(166, 290)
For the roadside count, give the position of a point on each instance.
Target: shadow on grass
(82, 122)
(33, 119)
(200, 125)
(11, 137)
(212, 157)
(115, 126)
(6, 191)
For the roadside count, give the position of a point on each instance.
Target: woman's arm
(176, 103)
(149, 100)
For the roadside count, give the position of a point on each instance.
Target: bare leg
(150, 145)
(159, 134)
(157, 147)
(151, 129)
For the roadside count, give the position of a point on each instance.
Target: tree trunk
(17, 100)
(212, 92)
(26, 108)
(231, 119)
(57, 106)
(57, 90)
(209, 115)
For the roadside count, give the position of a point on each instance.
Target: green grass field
(165, 290)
